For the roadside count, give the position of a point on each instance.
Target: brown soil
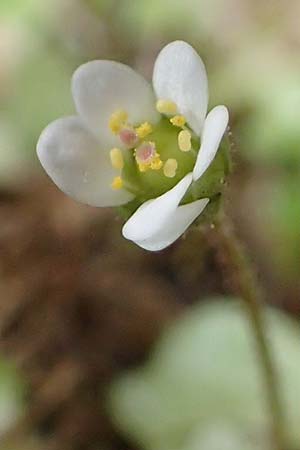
(79, 304)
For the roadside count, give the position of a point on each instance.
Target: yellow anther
(143, 167)
(143, 130)
(117, 183)
(157, 163)
(170, 168)
(147, 157)
(178, 121)
(117, 120)
(184, 141)
(166, 107)
(116, 158)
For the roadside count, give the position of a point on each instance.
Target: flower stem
(244, 283)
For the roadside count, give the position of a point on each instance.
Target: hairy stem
(244, 283)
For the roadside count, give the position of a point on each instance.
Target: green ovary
(152, 183)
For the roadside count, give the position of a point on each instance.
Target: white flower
(101, 157)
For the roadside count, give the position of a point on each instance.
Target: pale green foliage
(203, 386)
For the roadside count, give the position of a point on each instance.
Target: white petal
(179, 75)
(214, 128)
(153, 214)
(75, 161)
(102, 87)
(176, 225)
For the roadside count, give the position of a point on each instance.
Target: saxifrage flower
(130, 145)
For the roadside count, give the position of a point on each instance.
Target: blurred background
(105, 346)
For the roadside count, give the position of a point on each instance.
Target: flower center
(129, 137)
(144, 154)
(156, 157)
